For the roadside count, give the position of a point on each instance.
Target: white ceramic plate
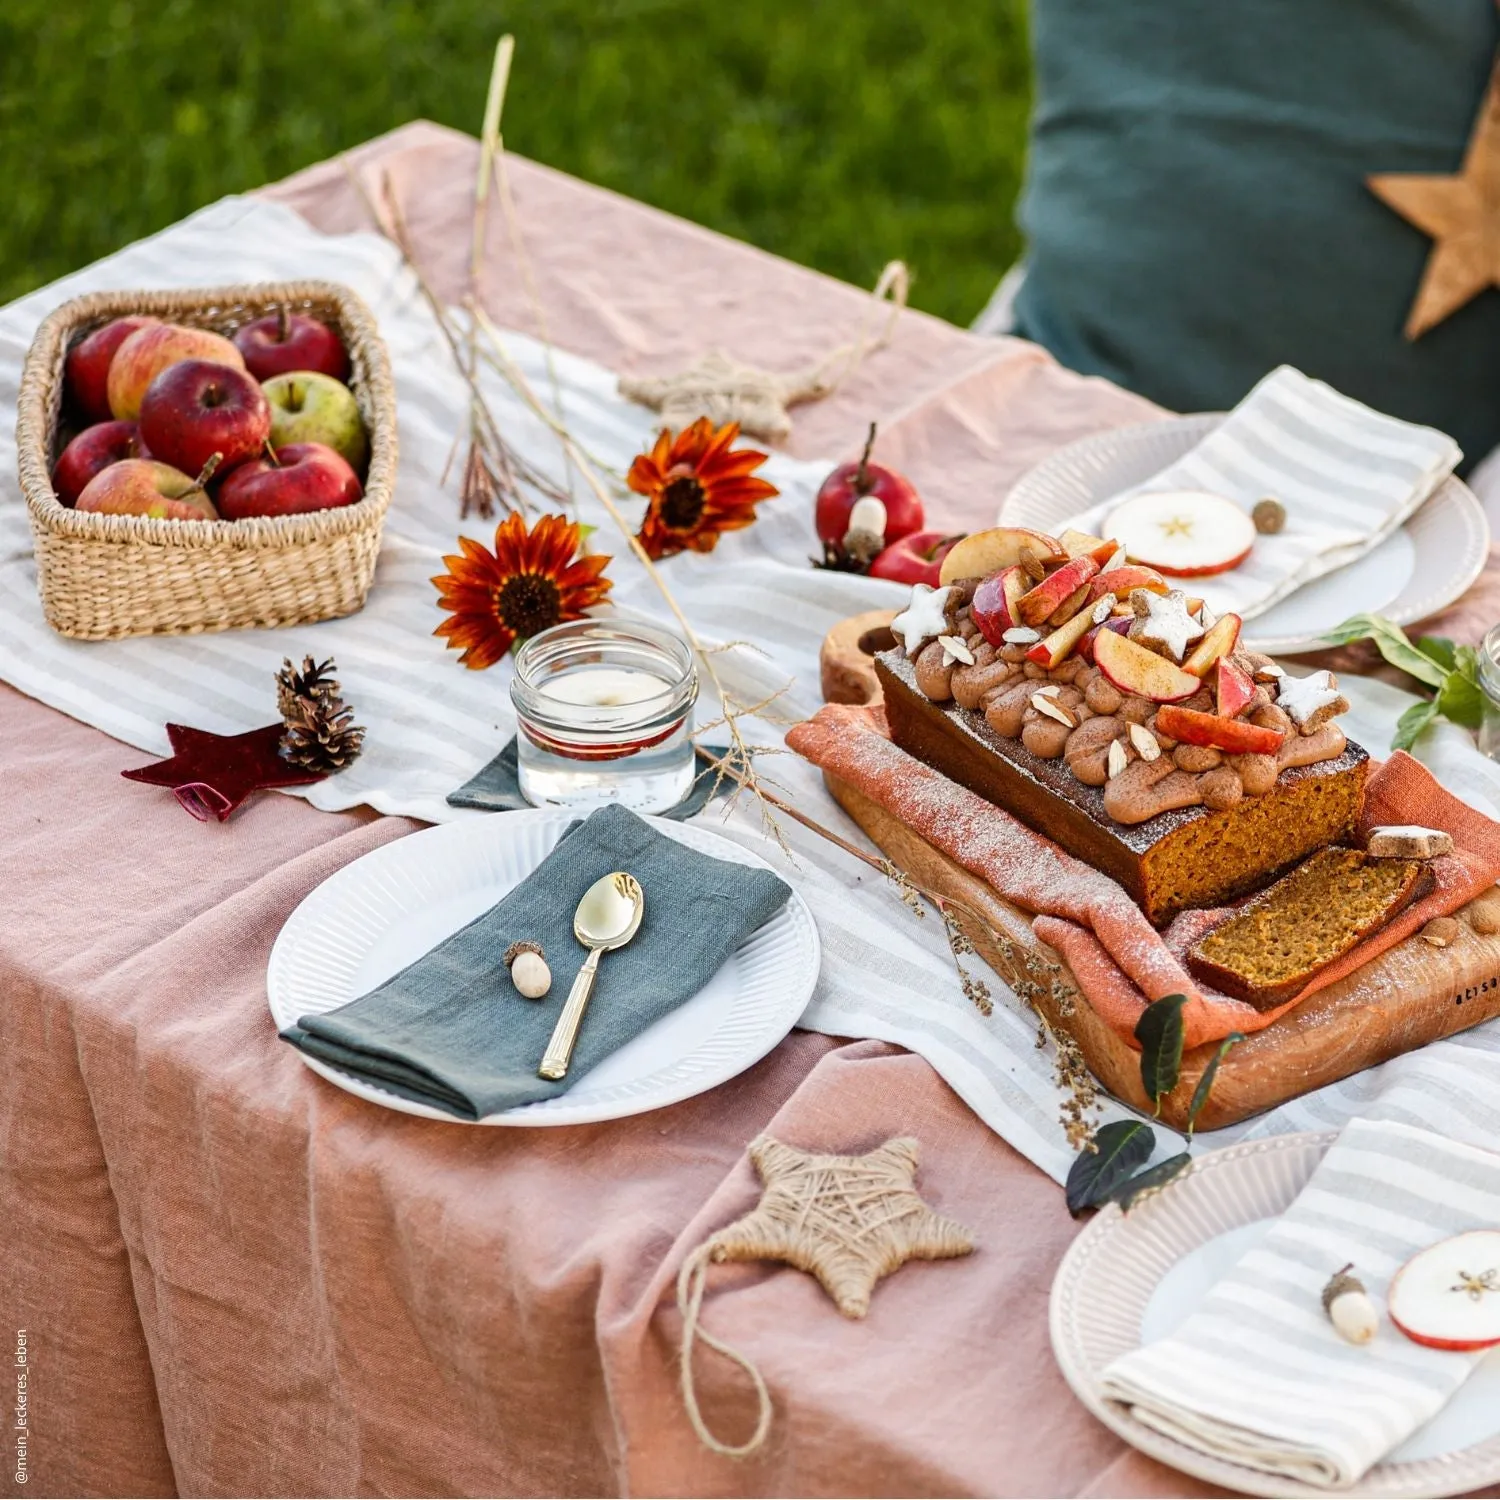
(1426, 565)
(396, 903)
(1130, 1279)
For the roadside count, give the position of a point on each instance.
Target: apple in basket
(195, 409)
(143, 487)
(87, 367)
(283, 342)
(310, 408)
(149, 350)
(300, 477)
(93, 450)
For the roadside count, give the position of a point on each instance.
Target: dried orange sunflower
(697, 488)
(531, 580)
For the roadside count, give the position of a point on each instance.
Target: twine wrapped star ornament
(1461, 213)
(847, 1220)
(724, 389)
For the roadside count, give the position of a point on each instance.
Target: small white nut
(1021, 635)
(1044, 705)
(955, 649)
(1118, 759)
(1144, 742)
(869, 515)
(1052, 690)
(528, 970)
(1354, 1317)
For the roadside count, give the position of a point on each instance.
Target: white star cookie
(1163, 623)
(924, 618)
(1300, 698)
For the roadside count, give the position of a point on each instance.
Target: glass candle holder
(605, 714)
(1489, 683)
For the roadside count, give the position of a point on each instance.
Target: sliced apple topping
(1052, 649)
(985, 552)
(1235, 690)
(1218, 640)
(1120, 581)
(1235, 736)
(1133, 669)
(993, 607)
(1057, 588)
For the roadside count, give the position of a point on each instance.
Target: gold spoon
(608, 917)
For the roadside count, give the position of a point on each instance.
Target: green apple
(308, 407)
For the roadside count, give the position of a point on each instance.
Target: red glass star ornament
(211, 774)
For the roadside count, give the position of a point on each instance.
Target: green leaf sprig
(1451, 671)
(1108, 1173)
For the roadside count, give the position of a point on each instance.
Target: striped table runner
(1348, 477)
(1257, 1374)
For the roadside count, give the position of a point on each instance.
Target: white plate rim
(1157, 1234)
(1060, 485)
(794, 922)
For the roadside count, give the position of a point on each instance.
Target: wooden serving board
(1410, 995)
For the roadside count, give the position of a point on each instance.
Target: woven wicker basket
(103, 576)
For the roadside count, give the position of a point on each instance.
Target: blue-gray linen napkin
(452, 1031)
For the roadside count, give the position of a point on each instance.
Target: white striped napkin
(1348, 477)
(1257, 1375)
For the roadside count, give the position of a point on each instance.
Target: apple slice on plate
(1133, 669)
(1186, 533)
(1448, 1296)
(984, 552)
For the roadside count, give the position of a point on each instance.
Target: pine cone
(320, 732)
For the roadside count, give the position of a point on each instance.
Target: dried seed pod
(1349, 1307)
(1269, 516)
(528, 969)
(1440, 931)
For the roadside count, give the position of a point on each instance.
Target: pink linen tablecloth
(234, 1278)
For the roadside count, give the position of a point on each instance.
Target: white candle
(604, 687)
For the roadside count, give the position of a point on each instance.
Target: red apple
(1133, 669)
(195, 409)
(994, 603)
(985, 552)
(852, 482)
(1218, 640)
(1052, 649)
(302, 477)
(1119, 624)
(94, 449)
(1055, 589)
(148, 351)
(142, 487)
(284, 342)
(1236, 736)
(917, 558)
(1235, 690)
(87, 367)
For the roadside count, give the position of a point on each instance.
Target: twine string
(691, 1280)
(891, 288)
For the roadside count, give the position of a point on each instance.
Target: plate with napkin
(1194, 1325)
(1375, 518)
(389, 979)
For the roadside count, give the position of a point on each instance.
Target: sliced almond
(1045, 705)
(1144, 742)
(1052, 690)
(1033, 565)
(1021, 635)
(955, 649)
(1117, 760)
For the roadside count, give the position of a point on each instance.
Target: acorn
(528, 969)
(1269, 516)
(865, 538)
(1349, 1307)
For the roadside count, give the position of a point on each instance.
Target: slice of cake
(1273, 945)
(1112, 713)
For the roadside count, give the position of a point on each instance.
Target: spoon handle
(559, 1051)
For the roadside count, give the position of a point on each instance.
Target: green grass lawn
(834, 133)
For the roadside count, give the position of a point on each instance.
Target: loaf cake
(1111, 712)
(1271, 948)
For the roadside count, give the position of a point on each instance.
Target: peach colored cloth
(1120, 960)
(236, 1279)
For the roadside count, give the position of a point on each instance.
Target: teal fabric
(1196, 210)
(451, 1030)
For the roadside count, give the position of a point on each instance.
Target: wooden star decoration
(1461, 213)
(848, 1220)
(724, 390)
(211, 774)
